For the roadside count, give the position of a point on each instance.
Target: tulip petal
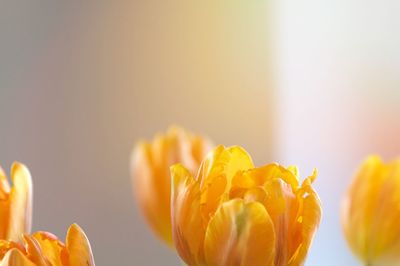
(255, 194)
(216, 174)
(20, 202)
(185, 148)
(224, 161)
(152, 185)
(309, 219)
(14, 257)
(151, 176)
(34, 252)
(385, 229)
(54, 250)
(4, 186)
(282, 206)
(240, 234)
(4, 204)
(5, 246)
(360, 203)
(78, 246)
(200, 147)
(187, 225)
(261, 175)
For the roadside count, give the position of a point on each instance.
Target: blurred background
(311, 83)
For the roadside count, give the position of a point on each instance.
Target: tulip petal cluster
(371, 213)
(41, 248)
(15, 203)
(151, 177)
(44, 249)
(232, 213)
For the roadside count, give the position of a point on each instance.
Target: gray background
(81, 82)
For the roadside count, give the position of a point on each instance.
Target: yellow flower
(371, 213)
(44, 249)
(235, 214)
(15, 203)
(151, 177)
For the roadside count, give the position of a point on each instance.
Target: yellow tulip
(151, 177)
(44, 249)
(232, 213)
(371, 213)
(15, 203)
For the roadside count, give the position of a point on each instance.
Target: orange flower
(151, 176)
(371, 213)
(15, 203)
(44, 249)
(235, 214)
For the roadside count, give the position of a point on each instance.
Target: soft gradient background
(312, 83)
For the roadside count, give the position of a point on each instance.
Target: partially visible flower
(15, 203)
(151, 176)
(371, 213)
(44, 249)
(234, 214)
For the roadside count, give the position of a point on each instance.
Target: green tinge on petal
(240, 234)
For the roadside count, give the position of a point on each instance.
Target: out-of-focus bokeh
(339, 99)
(312, 83)
(82, 82)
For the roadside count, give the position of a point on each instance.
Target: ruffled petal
(216, 174)
(15, 257)
(262, 175)
(282, 206)
(308, 220)
(34, 252)
(240, 234)
(54, 250)
(187, 226)
(5, 246)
